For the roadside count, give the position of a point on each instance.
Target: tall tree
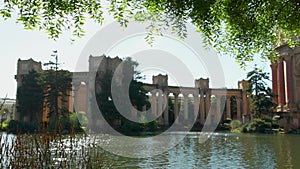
(261, 96)
(239, 28)
(128, 78)
(53, 91)
(30, 97)
(104, 96)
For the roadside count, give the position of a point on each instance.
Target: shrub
(66, 123)
(225, 124)
(260, 125)
(5, 124)
(235, 124)
(131, 127)
(15, 126)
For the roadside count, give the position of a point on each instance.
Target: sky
(166, 55)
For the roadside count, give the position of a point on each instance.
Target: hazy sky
(15, 43)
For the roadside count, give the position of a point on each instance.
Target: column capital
(280, 60)
(185, 94)
(218, 96)
(175, 94)
(274, 65)
(153, 92)
(286, 57)
(196, 95)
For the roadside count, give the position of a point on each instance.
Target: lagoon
(220, 150)
(223, 150)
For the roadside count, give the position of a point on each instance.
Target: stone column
(76, 87)
(238, 107)
(160, 109)
(87, 101)
(207, 107)
(228, 108)
(185, 106)
(176, 114)
(207, 99)
(166, 110)
(274, 67)
(202, 107)
(196, 105)
(281, 86)
(153, 103)
(218, 111)
(289, 87)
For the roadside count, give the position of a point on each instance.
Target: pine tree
(261, 96)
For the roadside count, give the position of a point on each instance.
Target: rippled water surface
(221, 150)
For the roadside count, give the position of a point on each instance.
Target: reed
(51, 150)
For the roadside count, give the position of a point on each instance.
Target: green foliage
(56, 85)
(238, 28)
(148, 126)
(134, 128)
(30, 97)
(74, 122)
(225, 124)
(260, 125)
(22, 127)
(127, 78)
(105, 103)
(82, 119)
(5, 124)
(66, 123)
(40, 90)
(234, 124)
(261, 96)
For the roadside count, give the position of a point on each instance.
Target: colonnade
(282, 76)
(202, 104)
(200, 98)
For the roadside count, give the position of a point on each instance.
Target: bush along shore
(264, 124)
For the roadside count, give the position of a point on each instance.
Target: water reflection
(221, 150)
(224, 150)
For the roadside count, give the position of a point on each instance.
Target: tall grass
(51, 150)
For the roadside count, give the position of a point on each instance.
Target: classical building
(286, 85)
(200, 103)
(77, 98)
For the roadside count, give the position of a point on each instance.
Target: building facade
(286, 85)
(200, 102)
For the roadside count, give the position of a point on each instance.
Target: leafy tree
(261, 96)
(239, 28)
(137, 94)
(104, 96)
(30, 97)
